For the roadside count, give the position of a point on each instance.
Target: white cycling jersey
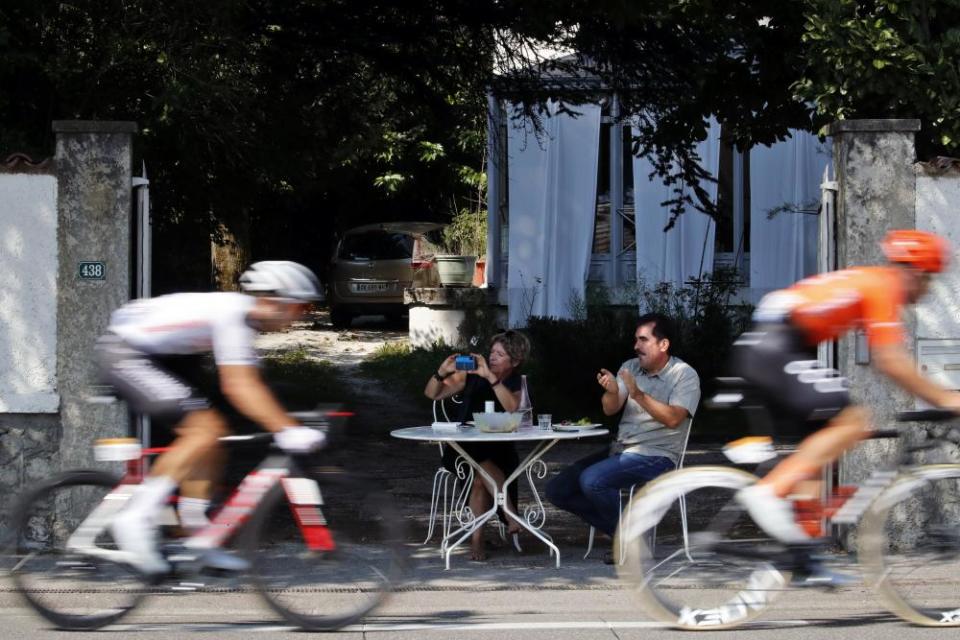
(187, 323)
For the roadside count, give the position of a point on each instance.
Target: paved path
(489, 603)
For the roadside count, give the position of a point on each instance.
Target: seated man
(661, 393)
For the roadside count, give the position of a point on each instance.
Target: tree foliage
(274, 123)
(884, 59)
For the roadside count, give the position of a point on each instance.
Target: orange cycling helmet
(924, 250)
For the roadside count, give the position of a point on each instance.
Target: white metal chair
(453, 501)
(653, 534)
(450, 502)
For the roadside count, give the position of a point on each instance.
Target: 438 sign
(94, 270)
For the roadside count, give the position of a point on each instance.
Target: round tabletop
(472, 434)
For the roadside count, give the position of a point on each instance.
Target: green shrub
(301, 382)
(566, 355)
(707, 321)
(398, 365)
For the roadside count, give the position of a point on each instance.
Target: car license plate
(371, 287)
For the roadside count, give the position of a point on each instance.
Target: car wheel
(340, 319)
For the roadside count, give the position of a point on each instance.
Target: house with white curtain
(573, 208)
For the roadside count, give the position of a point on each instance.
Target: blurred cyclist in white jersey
(151, 354)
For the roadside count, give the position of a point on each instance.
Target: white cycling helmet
(283, 279)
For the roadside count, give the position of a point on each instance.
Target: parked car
(374, 263)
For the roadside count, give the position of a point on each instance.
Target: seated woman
(495, 378)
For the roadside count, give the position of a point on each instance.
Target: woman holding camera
(477, 381)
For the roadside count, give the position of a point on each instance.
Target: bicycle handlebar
(321, 419)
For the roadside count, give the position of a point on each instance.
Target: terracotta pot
(478, 271)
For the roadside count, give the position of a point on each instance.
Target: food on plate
(582, 422)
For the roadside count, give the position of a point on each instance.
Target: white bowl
(499, 422)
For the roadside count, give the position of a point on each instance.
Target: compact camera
(465, 363)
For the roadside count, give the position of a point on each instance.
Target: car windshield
(376, 245)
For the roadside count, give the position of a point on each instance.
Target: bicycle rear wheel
(63, 546)
(910, 546)
(356, 560)
(717, 576)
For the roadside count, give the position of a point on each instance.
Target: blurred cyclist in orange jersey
(775, 357)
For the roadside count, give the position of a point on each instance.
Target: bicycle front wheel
(66, 560)
(326, 565)
(910, 546)
(694, 571)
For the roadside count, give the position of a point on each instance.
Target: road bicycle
(323, 545)
(727, 572)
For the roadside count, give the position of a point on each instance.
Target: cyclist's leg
(775, 359)
(152, 389)
(197, 488)
(195, 451)
(816, 451)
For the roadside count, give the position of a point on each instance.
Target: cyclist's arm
(245, 389)
(893, 361)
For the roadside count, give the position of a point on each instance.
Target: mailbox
(939, 360)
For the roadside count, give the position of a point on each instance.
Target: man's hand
(630, 382)
(299, 439)
(608, 381)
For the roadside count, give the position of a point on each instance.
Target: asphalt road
(466, 613)
(509, 596)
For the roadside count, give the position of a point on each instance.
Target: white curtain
(785, 179)
(686, 250)
(552, 193)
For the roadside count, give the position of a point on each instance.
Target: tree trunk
(230, 251)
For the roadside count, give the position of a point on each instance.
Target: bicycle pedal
(216, 572)
(825, 580)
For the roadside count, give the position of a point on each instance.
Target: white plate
(575, 427)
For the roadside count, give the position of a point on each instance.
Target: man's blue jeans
(590, 487)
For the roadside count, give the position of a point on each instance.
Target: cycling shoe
(222, 560)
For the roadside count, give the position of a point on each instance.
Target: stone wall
(28, 288)
(92, 172)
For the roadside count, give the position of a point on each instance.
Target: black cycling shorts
(164, 387)
(777, 361)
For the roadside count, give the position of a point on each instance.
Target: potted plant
(464, 241)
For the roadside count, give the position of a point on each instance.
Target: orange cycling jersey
(829, 305)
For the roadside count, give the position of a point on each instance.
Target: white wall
(28, 294)
(938, 204)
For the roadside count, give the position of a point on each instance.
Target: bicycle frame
(303, 495)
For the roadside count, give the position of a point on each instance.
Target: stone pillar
(873, 162)
(94, 170)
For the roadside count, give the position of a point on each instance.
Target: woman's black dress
(503, 454)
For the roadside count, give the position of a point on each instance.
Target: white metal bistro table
(534, 518)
